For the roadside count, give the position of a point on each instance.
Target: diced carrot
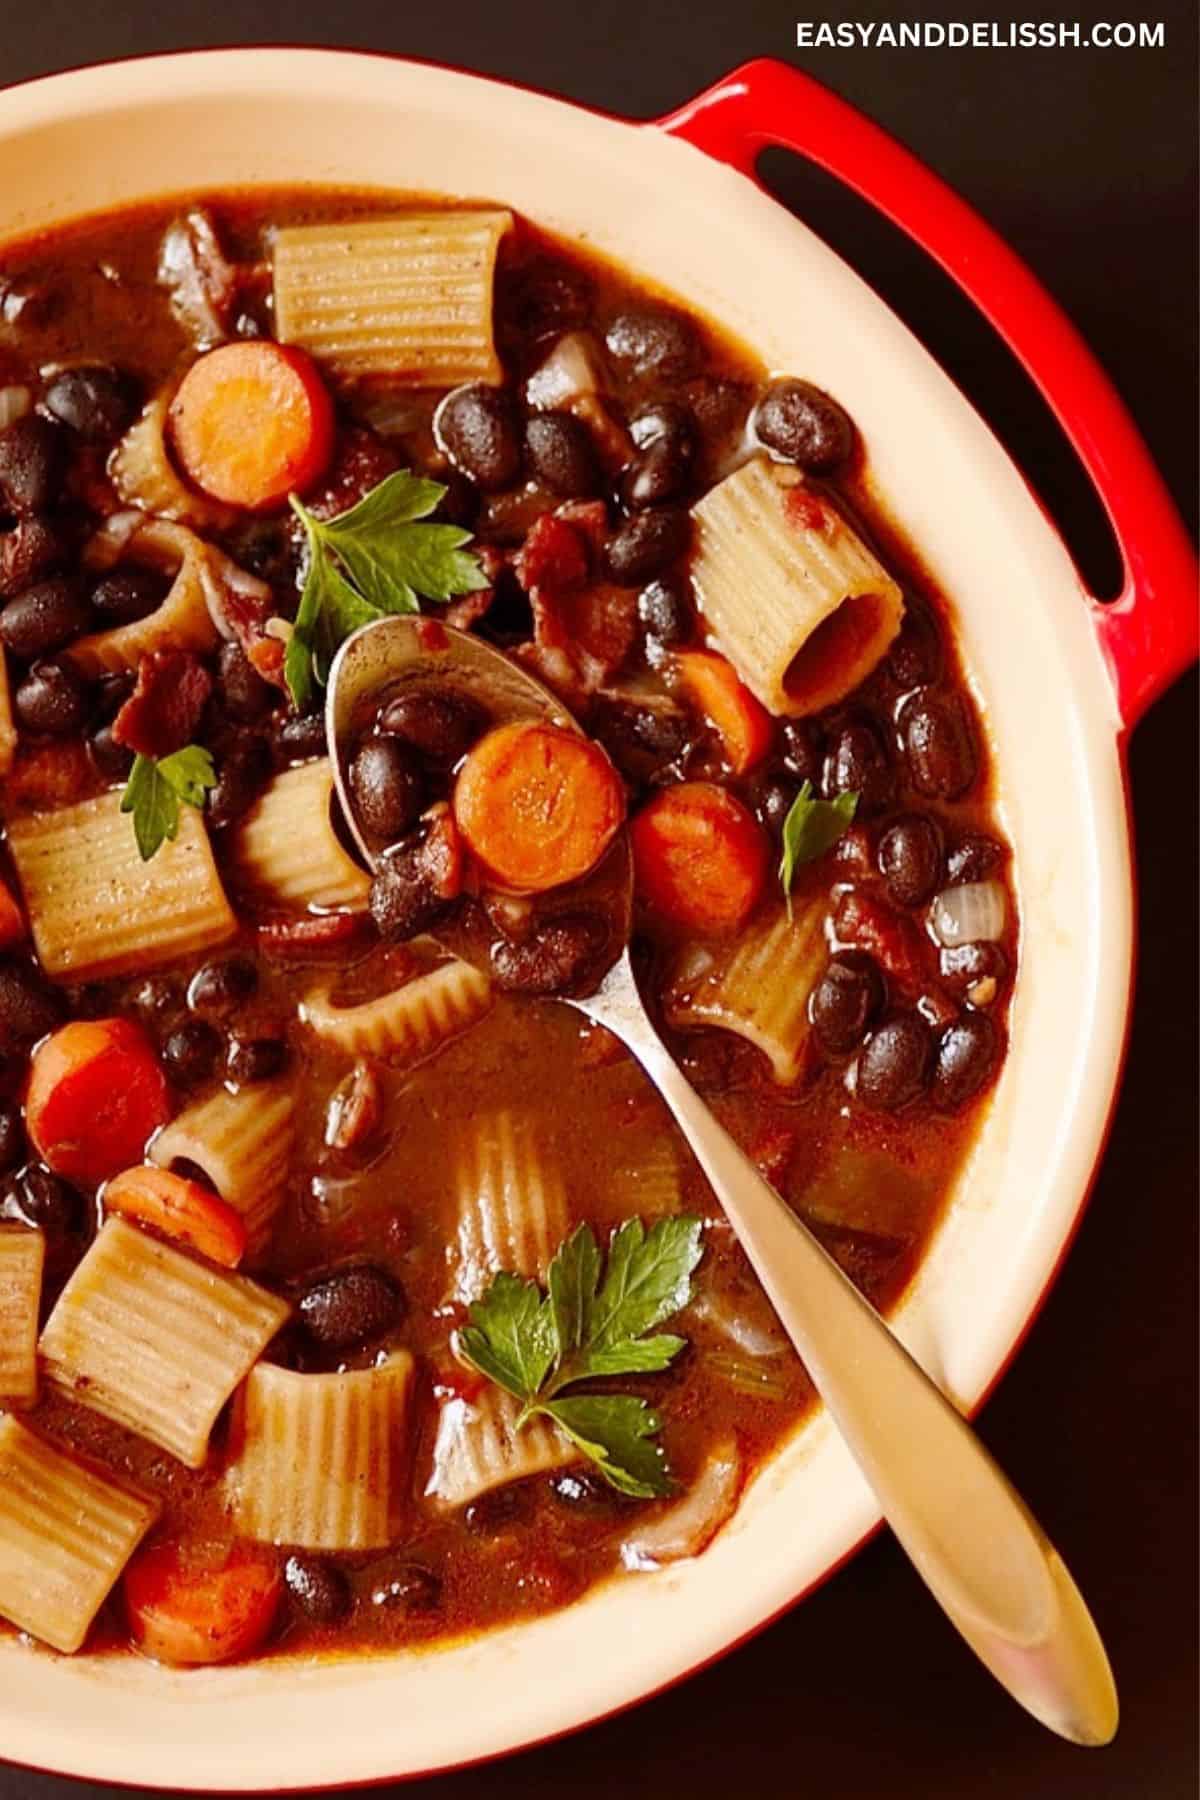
(12, 923)
(742, 723)
(700, 858)
(253, 422)
(179, 1209)
(96, 1095)
(538, 806)
(201, 1602)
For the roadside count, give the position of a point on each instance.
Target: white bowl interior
(99, 138)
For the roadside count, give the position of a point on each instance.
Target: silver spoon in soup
(969, 1534)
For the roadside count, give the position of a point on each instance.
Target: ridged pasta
(144, 476)
(790, 592)
(95, 908)
(66, 1533)
(408, 1024)
(476, 1448)
(758, 986)
(408, 298)
(8, 725)
(287, 849)
(648, 1186)
(155, 1339)
(317, 1458)
(22, 1254)
(512, 1203)
(243, 1142)
(183, 621)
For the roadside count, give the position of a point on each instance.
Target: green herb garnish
(810, 829)
(376, 559)
(535, 1345)
(155, 788)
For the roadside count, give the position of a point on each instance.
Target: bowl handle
(1149, 634)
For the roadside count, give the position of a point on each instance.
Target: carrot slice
(742, 723)
(253, 422)
(12, 924)
(201, 1602)
(179, 1209)
(96, 1094)
(538, 806)
(700, 859)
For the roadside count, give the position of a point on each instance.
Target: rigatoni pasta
(8, 729)
(790, 592)
(478, 1447)
(243, 1142)
(66, 1532)
(407, 299)
(22, 1254)
(96, 909)
(154, 1339)
(287, 850)
(512, 1202)
(184, 619)
(408, 1024)
(316, 1458)
(757, 986)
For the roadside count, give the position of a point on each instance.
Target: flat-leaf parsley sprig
(157, 785)
(811, 828)
(536, 1345)
(380, 557)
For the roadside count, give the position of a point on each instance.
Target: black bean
(388, 788)
(31, 466)
(190, 1052)
(802, 745)
(664, 420)
(110, 760)
(771, 797)
(845, 1000)
(51, 699)
(409, 1588)
(647, 544)
(910, 859)
(158, 1000)
(966, 1055)
(404, 895)
(243, 771)
(318, 1588)
(245, 697)
(31, 550)
(665, 611)
(966, 964)
(804, 425)
(438, 725)
(915, 658)
(47, 1202)
(893, 1067)
(108, 696)
(544, 297)
(219, 989)
(657, 474)
(560, 452)
(96, 401)
(583, 1493)
(857, 762)
(478, 429)
(44, 618)
(556, 958)
(653, 341)
(719, 406)
(299, 738)
(350, 1307)
(12, 1135)
(639, 735)
(459, 505)
(29, 1008)
(938, 745)
(248, 1060)
(125, 595)
(499, 1510)
(974, 858)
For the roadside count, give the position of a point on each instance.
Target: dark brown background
(1085, 160)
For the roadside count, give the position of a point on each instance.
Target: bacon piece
(361, 461)
(431, 635)
(163, 711)
(468, 609)
(868, 924)
(314, 936)
(442, 854)
(553, 559)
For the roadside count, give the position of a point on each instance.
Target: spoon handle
(971, 1537)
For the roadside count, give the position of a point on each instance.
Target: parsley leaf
(812, 827)
(155, 788)
(535, 1346)
(378, 558)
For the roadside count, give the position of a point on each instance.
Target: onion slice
(974, 913)
(571, 370)
(689, 1526)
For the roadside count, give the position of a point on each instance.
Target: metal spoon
(971, 1537)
